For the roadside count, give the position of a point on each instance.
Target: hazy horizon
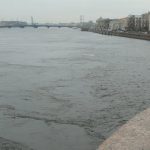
(69, 10)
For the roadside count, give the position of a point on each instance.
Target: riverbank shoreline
(132, 35)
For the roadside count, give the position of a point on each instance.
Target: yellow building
(118, 24)
(149, 21)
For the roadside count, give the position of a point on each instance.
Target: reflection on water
(69, 89)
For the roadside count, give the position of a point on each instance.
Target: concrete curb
(135, 135)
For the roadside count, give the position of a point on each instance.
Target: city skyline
(69, 10)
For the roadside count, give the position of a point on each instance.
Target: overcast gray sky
(69, 10)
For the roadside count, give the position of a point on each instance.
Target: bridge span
(39, 25)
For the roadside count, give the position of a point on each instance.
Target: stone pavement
(135, 135)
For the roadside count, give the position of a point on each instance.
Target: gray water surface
(69, 90)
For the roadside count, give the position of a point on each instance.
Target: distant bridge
(39, 25)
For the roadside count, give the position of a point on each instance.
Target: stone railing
(135, 135)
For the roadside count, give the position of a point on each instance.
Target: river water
(69, 90)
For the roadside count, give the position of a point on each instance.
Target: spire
(32, 21)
